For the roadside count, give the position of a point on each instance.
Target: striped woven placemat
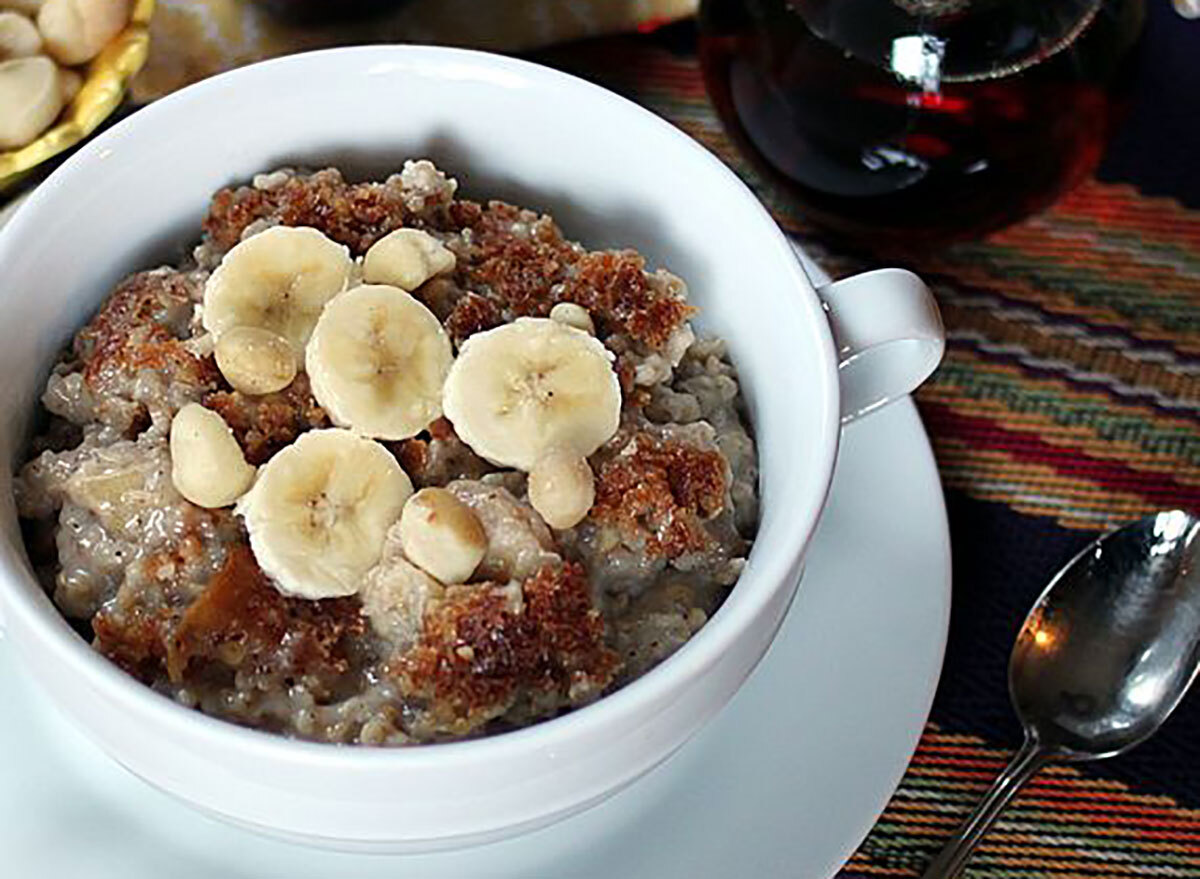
(1068, 402)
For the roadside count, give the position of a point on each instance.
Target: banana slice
(277, 280)
(525, 388)
(407, 258)
(377, 360)
(320, 510)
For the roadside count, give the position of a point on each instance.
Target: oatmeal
(382, 465)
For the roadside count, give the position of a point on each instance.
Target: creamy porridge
(382, 465)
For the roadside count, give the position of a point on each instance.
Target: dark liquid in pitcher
(887, 161)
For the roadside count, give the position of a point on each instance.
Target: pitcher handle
(889, 337)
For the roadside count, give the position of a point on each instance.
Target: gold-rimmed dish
(105, 83)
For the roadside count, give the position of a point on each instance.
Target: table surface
(1068, 402)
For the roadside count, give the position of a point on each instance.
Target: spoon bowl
(1107, 653)
(1114, 641)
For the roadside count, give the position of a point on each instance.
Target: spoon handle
(953, 857)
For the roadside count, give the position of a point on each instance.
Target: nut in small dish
(30, 99)
(93, 48)
(76, 30)
(19, 36)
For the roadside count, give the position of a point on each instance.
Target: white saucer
(785, 782)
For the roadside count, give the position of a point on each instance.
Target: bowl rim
(34, 611)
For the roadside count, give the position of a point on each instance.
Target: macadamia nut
(18, 36)
(75, 31)
(30, 100)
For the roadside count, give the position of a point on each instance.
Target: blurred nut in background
(19, 38)
(29, 7)
(30, 99)
(76, 30)
(69, 84)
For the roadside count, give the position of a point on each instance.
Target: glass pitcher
(916, 122)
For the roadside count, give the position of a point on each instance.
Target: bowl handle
(888, 333)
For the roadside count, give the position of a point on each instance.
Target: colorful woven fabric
(1068, 402)
(1067, 822)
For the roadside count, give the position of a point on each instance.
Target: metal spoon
(1102, 660)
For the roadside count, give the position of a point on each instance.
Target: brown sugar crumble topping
(512, 262)
(662, 491)
(479, 656)
(551, 619)
(240, 620)
(265, 424)
(356, 215)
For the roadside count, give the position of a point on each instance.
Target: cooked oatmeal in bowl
(380, 464)
(615, 175)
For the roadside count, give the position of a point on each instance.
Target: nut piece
(29, 100)
(29, 7)
(18, 37)
(442, 535)
(76, 30)
(69, 84)
(207, 465)
(406, 258)
(255, 360)
(573, 315)
(562, 489)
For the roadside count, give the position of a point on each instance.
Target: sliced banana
(254, 360)
(29, 99)
(573, 315)
(207, 464)
(525, 388)
(442, 535)
(562, 488)
(320, 510)
(377, 360)
(277, 280)
(407, 258)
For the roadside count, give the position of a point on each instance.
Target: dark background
(1158, 148)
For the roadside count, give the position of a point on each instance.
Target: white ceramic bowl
(613, 175)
